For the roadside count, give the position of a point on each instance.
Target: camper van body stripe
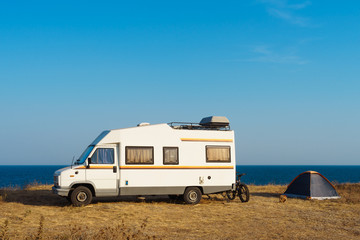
(158, 167)
(176, 167)
(96, 167)
(205, 140)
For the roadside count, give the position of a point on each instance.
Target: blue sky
(286, 74)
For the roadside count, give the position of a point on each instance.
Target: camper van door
(103, 170)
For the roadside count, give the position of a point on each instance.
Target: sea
(23, 175)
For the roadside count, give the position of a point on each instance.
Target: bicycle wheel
(231, 194)
(244, 193)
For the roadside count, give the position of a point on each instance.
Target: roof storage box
(214, 122)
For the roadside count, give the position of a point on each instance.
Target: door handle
(114, 169)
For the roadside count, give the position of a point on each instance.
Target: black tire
(192, 195)
(231, 194)
(244, 193)
(81, 196)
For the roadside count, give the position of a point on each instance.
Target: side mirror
(89, 161)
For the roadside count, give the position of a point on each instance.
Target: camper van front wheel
(81, 196)
(192, 195)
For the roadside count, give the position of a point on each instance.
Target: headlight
(56, 181)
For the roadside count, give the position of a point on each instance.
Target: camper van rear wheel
(81, 196)
(192, 195)
(243, 192)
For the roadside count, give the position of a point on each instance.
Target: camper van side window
(103, 156)
(218, 154)
(139, 155)
(171, 155)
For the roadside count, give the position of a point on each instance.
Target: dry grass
(350, 193)
(35, 213)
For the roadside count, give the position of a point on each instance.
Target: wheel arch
(88, 185)
(199, 187)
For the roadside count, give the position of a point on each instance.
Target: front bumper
(64, 192)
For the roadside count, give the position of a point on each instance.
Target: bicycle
(241, 190)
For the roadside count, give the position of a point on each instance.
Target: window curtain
(218, 154)
(170, 155)
(103, 156)
(139, 155)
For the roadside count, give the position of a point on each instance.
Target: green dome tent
(311, 185)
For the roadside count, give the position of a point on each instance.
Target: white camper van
(175, 159)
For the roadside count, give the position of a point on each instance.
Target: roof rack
(208, 123)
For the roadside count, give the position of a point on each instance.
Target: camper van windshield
(85, 154)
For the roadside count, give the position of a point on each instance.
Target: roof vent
(143, 124)
(215, 122)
